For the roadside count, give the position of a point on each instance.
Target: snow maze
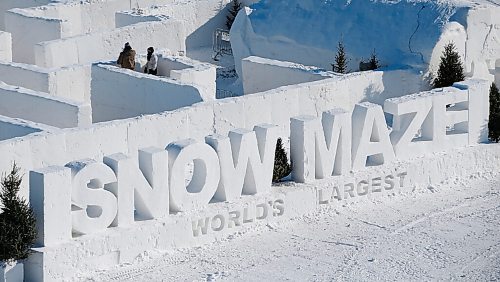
(104, 150)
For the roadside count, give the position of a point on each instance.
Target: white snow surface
(401, 32)
(448, 231)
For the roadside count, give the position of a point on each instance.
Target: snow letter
(50, 198)
(206, 174)
(370, 136)
(478, 91)
(321, 148)
(94, 207)
(246, 161)
(410, 114)
(143, 187)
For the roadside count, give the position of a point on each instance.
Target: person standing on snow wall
(152, 64)
(127, 57)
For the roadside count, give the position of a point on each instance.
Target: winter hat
(127, 44)
(151, 49)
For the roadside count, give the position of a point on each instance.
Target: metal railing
(221, 44)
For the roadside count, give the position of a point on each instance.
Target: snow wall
(80, 19)
(34, 106)
(201, 18)
(134, 93)
(256, 72)
(12, 128)
(56, 258)
(188, 71)
(409, 32)
(71, 82)
(5, 47)
(106, 45)
(274, 106)
(9, 4)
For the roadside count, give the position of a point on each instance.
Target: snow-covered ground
(449, 231)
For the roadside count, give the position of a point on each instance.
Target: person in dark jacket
(127, 57)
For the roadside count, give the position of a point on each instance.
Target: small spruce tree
(17, 221)
(236, 6)
(494, 117)
(340, 64)
(282, 167)
(374, 62)
(450, 69)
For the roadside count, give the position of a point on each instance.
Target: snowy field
(449, 231)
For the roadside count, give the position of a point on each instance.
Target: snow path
(443, 232)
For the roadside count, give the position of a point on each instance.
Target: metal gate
(221, 43)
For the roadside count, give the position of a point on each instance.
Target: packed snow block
(50, 199)
(285, 104)
(142, 187)
(242, 27)
(5, 46)
(307, 101)
(200, 121)
(256, 110)
(31, 105)
(96, 141)
(228, 115)
(325, 95)
(257, 70)
(71, 82)
(371, 144)
(206, 174)
(28, 30)
(49, 55)
(25, 75)
(95, 208)
(156, 130)
(321, 147)
(48, 149)
(110, 138)
(246, 161)
(201, 75)
(478, 109)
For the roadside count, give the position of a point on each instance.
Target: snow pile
(400, 32)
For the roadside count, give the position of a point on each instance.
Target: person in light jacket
(152, 64)
(127, 57)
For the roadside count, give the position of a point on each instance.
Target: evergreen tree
(17, 221)
(282, 167)
(450, 68)
(374, 62)
(340, 64)
(236, 6)
(494, 118)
